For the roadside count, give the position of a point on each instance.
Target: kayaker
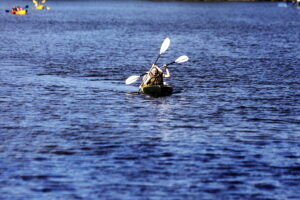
(14, 8)
(155, 76)
(38, 3)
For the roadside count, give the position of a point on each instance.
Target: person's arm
(147, 79)
(158, 69)
(167, 75)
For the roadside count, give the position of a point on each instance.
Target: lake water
(71, 129)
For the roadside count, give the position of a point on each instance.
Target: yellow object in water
(20, 12)
(39, 7)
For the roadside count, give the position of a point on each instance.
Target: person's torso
(156, 79)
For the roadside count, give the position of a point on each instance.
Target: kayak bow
(157, 90)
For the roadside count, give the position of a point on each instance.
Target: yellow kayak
(18, 12)
(42, 7)
(39, 7)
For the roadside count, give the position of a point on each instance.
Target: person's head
(154, 71)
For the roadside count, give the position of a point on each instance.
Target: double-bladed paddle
(134, 78)
(164, 46)
(23, 8)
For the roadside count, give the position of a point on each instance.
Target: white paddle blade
(131, 79)
(182, 59)
(165, 45)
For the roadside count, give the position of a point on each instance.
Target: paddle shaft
(171, 63)
(157, 59)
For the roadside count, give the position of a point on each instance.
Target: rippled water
(71, 129)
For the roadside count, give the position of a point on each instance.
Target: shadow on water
(79, 82)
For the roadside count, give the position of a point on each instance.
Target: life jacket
(156, 79)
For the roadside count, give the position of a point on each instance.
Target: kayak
(19, 12)
(42, 7)
(39, 7)
(157, 90)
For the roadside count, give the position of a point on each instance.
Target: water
(71, 129)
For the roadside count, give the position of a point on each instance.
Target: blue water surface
(71, 129)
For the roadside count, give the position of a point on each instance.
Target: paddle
(134, 78)
(165, 45)
(23, 8)
(180, 59)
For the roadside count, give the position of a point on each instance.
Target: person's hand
(165, 66)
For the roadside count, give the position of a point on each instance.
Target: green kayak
(157, 90)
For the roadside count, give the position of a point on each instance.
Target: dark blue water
(71, 129)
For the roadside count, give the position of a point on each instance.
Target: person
(36, 3)
(155, 76)
(14, 8)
